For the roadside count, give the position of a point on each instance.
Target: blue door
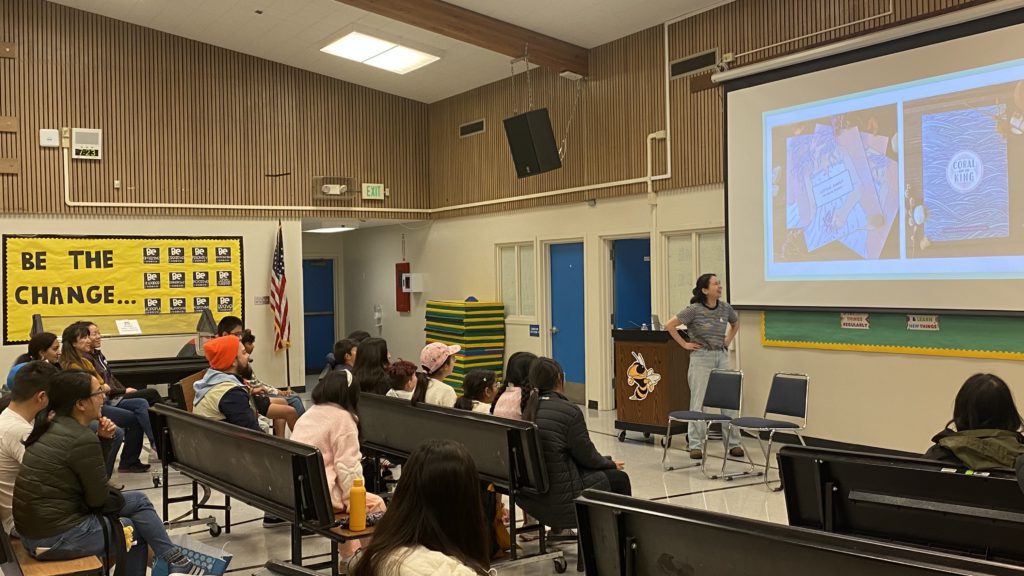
(631, 260)
(318, 305)
(567, 340)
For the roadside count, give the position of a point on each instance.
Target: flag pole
(288, 366)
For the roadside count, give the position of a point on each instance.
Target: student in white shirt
(478, 391)
(438, 361)
(403, 379)
(28, 398)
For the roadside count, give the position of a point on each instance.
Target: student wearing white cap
(438, 361)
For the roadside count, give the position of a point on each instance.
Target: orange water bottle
(357, 506)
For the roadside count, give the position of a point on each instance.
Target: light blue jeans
(702, 362)
(87, 537)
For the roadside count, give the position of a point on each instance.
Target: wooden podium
(641, 358)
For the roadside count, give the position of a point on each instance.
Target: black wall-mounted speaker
(532, 143)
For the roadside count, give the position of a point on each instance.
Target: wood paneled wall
(186, 122)
(624, 101)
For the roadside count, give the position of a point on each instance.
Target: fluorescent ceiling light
(358, 47)
(332, 230)
(401, 60)
(379, 53)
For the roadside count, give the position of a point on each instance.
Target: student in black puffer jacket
(573, 463)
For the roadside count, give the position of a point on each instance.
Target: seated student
(478, 391)
(368, 373)
(28, 398)
(435, 522)
(228, 325)
(344, 355)
(332, 425)
(43, 346)
(403, 379)
(117, 390)
(130, 414)
(573, 463)
(61, 484)
(509, 402)
(987, 427)
(438, 361)
(221, 394)
(281, 406)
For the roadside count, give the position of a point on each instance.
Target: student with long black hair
(332, 425)
(368, 373)
(510, 398)
(62, 485)
(435, 523)
(438, 362)
(478, 391)
(985, 432)
(43, 346)
(573, 463)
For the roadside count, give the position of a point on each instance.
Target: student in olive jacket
(573, 463)
(62, 484)
(987, 427)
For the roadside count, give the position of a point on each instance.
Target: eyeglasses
(98, 393)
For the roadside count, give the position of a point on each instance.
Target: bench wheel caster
(560, 565)
(647, 435)
(156, 481)
(622, 436)
(215, 530)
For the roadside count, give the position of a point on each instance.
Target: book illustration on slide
(842, 188)
(966, 184)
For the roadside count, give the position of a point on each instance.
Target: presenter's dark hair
(369, 372)
(227, 324)
(36, 346)
(437, 505)
(699, 297)
(66, 388)
(985, 402)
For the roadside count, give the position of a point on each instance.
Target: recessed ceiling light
(401, 60)
(331, 230)
(379, 53)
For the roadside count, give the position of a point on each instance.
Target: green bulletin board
(962, 336)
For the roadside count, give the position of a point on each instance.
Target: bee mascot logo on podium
(641, 378)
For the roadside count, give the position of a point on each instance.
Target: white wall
(896, 401)
(258, 237)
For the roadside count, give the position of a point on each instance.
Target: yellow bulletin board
(108, 275)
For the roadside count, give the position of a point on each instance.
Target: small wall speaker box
(532, 143)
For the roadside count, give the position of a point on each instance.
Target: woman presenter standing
(712, 324)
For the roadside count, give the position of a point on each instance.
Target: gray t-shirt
(707, 326)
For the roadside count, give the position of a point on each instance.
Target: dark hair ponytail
(699, 297)
(66, 388)
(420, 393)
(36, 346)
(545, 375)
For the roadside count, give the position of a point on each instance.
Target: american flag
(278, 297)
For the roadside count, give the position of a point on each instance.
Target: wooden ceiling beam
(480, 30)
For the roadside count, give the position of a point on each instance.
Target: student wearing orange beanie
(221, 394)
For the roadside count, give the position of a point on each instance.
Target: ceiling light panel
(358, 47)
(401, 60)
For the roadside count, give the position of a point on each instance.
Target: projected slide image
(835, 188)
(963, 192)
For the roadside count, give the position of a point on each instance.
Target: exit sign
(373, 191)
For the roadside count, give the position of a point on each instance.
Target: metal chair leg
(767, 460)
(668, 435)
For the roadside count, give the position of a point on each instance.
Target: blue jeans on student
(295, 402)
(87, 538)
(702, 362)
(115, 446)
(125, 420)
(140, 408)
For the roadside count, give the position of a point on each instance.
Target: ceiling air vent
(694, 64)
(472, 128)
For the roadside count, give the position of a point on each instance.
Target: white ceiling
(293, 31)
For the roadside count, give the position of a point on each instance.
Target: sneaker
(178, 563)
(696, 454)
(273, 522)
(137, 468)
(736, 451)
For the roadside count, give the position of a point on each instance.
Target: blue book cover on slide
(966, 186)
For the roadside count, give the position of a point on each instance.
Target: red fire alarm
(403, 299)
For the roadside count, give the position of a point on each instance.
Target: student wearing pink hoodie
(332, 425)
